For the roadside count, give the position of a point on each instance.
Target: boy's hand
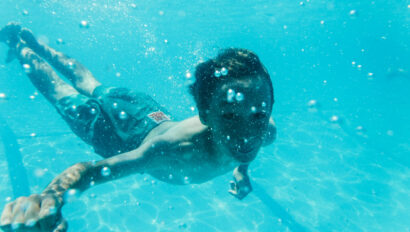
(240, 186)
(40, 213)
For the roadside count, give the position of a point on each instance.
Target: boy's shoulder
(185, 131)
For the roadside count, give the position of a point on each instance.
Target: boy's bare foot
(10, 34)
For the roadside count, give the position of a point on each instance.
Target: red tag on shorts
(158, 116)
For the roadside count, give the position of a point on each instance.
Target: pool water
(341, 73)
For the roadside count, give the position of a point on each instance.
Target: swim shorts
(114, 120)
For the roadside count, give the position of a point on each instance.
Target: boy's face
(239, 116)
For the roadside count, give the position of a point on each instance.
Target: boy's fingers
(49, 213)
(19, 210)
(32, 211)
(7, 214)
(49, 206)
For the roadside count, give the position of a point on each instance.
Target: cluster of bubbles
(359, 67)
(232, 96)
(222, 72)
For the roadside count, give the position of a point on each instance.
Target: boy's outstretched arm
(42, 212)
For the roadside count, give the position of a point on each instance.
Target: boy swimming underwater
(234, 97)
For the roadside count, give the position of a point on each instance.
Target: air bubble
(39, 172)
(312, 103)
(93, 111)
(352, 12)
(360, 129)
(230, 95)
(71, 195)
(123, 115)
(263, 104)
(228, 137)
(224, 71)
(27, 68)
(105, 171)
(25, 12)
(71, 65)
(32, 97)
(334, 119)
(188, 75)
(217, 73)
(33, 134)
(239, 97)
(170, 177)
(390, 133)
(253, 109)
(187, 180)
(2, 95)
(84, 24)
(114, 105)
(60, 41)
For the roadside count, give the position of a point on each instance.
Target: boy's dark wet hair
(239, 63)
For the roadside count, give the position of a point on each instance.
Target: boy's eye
(228, 116)
(259, 115)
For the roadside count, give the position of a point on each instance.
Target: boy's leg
(81, 78)
(43, 77)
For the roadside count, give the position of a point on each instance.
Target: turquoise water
(340, 163)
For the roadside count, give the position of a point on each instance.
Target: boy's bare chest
(190, 163)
